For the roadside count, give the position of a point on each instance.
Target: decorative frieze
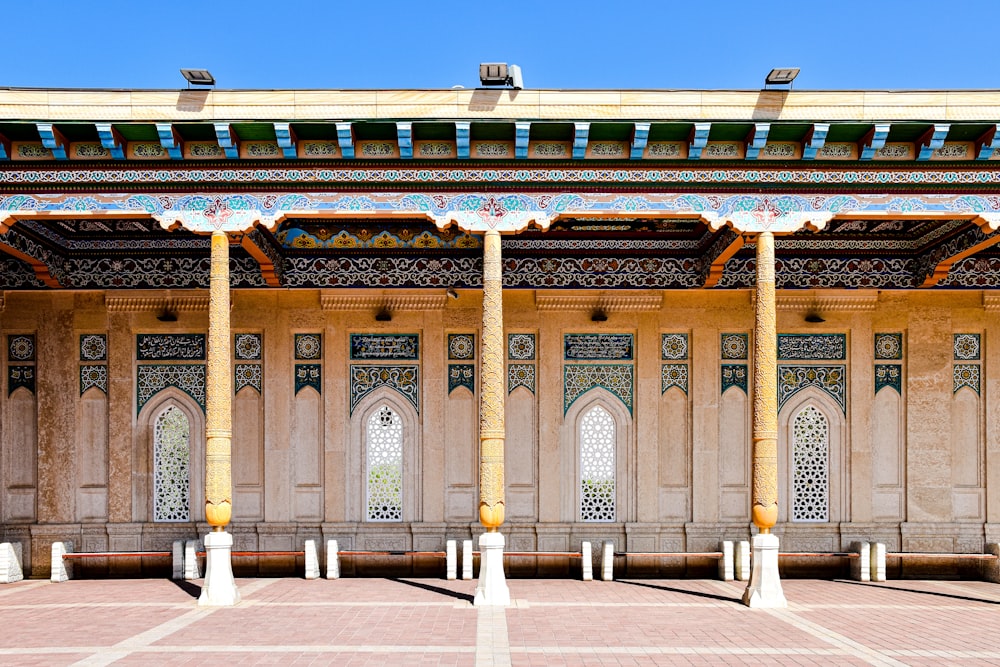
(20, 376)
(674, 375)
(249, 375)
(734, 375)
(93, 375)
(889, 375)
(966, 375)
(308, 375)
(385, 346)
(812, 347)
(578, 379)
(830, 379)
(153, 378)
(520, 375)
(403, 378)
(597, 347)
(170, 347)
(462, 375)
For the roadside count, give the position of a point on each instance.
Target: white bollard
(726, 566)
(861, 566)
(877, 568)
(62, 570)
(191, 568)
(741, 561)
(451, 560)
(10, 563)
(332, 560)
(312, 560)
(992, 567)
(177, 560)
(608, 562)
(588, 561)
(467, 559)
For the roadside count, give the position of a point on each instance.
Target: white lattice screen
(385, 466)
(597, 465)
(811, 466)
(171, 458)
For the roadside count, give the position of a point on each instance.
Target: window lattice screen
(597, 465)
(171, 458)
(811, 472)
(385, 466)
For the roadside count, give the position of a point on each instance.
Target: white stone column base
(467, 560)
(219, 589)
(10, 563)
(312, 560)
(332, 560)
(62, 570)
(492, 588)
(764, 590)
(192, 570)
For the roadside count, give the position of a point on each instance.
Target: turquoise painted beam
(170, 140)
(4, 148)
(932, 140)
(53, 140)
(874, 140)
(522, 132)
(462, 139)
(345, 137)
(112, 140)
(757, 140)
(581, 135)
(286, 140)
(989, 142)
(227, 140)
(815, 140)
(698, 140)
(404, 135)
(640, 135)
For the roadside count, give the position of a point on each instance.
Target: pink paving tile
(80, 625)
(42, 659)
(263, 657)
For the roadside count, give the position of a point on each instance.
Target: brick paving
(551, 622)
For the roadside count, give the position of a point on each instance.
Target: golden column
(220, 587)
(492, 588)
(764, 588)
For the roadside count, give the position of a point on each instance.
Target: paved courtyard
(552, 622)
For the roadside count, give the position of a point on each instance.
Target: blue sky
(845, 44)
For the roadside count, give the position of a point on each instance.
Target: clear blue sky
(587, 44)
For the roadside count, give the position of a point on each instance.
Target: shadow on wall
(192, 100)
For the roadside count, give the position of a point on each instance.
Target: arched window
(597, 440)
(171, 457)
(810, 465)
(384, 465)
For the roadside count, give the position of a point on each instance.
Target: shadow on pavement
(435, 589)
(670, 589)
(194, 590)
(952, 596)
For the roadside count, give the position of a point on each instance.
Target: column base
(219, 589)
(764, 590)
(492, 588)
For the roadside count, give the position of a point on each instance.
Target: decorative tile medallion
(93, 347)
(189, 378)
(21, 347)
(93, 376)
(170, 347)
(521, 346)
(734, 345)
(308, 375)
(20, 376)
(385, 346)
(247, 346)
(889, 375)
(598, 347)
(578, 379)
(966, 347)
(812, 347)
(674, 375)
(249, 375)
(308, 346)
(734, 375)
(966, 375)
(461, 375)
(521, 375)
(404, 379)
(674, 347)
(831, 379)
(461, 346)
(888, 346)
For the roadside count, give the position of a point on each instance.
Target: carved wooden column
(764, 588)
(492, 588)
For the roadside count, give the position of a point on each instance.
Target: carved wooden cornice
(391, 302)
(609, 303)
(155, 304)
(991, 302)
(814, 303)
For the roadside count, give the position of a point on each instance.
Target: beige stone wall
(915, 470)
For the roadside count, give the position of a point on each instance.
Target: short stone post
(741, 559)
(177, 560)
(861, 566)
(608, 562)
(332, 560)
(192, 568)
(992, 567)
(62, 570)
(588, 561)
(451, 560)
(877, 568)
(312, 560)
(467, 560)
(726, 567)
(492, 588)
(10, 563)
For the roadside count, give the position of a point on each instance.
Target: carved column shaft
(218, 395)
(491, 412)
(765, 391)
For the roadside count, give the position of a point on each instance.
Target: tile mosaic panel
(20, 376)
(308, 346)
(461, 375)
(889, 375)
(674, 347)
(888, 346)
(247, 346)
(966, 347)
(674, 375)
(831, 379)
(521, 346)
(189, 378)
(521, 375)
(404, 379)
(93, 347)
(385, 346)
(249, 375)
(308, 375)
(598, 347)
(461, 346)
(734, 375)
(21, 347)
(966, 375)
(93, 376)
(734, 345)
(170, 347)
(812, 347)
(578, 379)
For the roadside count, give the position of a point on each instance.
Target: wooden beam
(814, 140)
(944, 263)
(4, 148)
(26, 250)
(873, 140)
(727, 245)
(932, 140)
(53, 140)
(112, 140)
(252, 244)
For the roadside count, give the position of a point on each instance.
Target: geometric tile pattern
(889, 375)
(810, 466)
(189, 378)
(591, 347)
(674, 347)
(597, 465)
(247, 346)
(674, 375)
(385, 346)
(830, 379)
(405, 379)
(461, 346)
(888, 346)
(734, 345)
(384, 445)
(21, 347)
(966, 375)
(308, 375)
(249, 375)
(93, 347)
(734, 375)
(581, 378)
(171, 460)
(521, 375)
(308, 346)
(170, 347)
(966, 347)
(812, 347)
(521, 346)
(93, 376)
(462, 375)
